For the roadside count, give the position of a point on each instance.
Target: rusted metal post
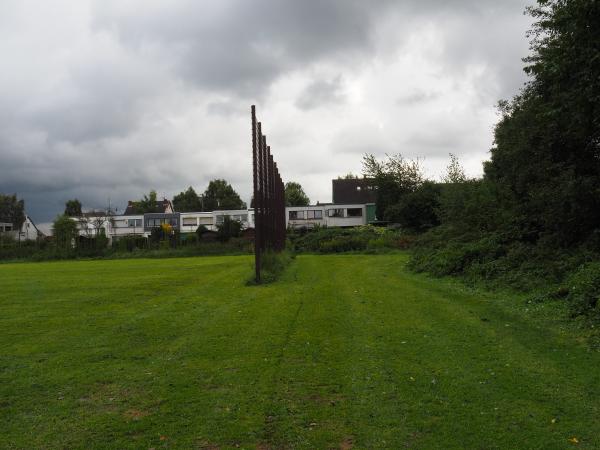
(255, 175)
(269, 198)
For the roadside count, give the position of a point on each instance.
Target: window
(241, 217)
(337, 212)
(314, 214)
(134, 223)
(172, 222)
(354, 212)
(296, 215)
(206, 220)
(221, 218)
(190, 221)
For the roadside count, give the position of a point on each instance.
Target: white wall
(198, 218)
(345, 220)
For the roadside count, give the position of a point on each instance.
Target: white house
(327, 215)
(331, 215)
(28, 232)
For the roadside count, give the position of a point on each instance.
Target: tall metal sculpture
(269, 198)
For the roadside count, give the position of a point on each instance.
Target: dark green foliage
(547, 144)
(220, 195)
(148, 204)
(534, 219)
(156, 235)
(73, 208)
(187, 201)
(393, 177)
(189, 239)
(64, 230)
(228, 229)
(130, 243)
(475, 206)
(201, 230)
(454, 171)
(416, 211)
(338, 240)
(12, 210)
(273, 265)
(584, 290)
(294, 195)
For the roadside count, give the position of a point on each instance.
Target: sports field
(343, 352)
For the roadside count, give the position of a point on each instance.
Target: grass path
(345, 352)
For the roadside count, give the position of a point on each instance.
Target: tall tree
(12, 210)
(295, 195)
(393, 177)
(73, 208)
(148, 204)
(64, 229)
(220, 195)
(547, 143)
(454, 171)
(187, 201)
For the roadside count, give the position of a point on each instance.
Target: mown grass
(345, 351)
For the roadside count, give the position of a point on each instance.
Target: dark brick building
(353, 190)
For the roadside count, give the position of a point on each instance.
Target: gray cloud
(240, 46)
(107, 98)
(321, 92)
(417, 97)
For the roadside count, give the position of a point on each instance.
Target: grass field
(343, 352)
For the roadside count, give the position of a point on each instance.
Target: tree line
(533, 218)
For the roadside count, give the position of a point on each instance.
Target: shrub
(336, 240)
(200, 231)
(416, 211)
(228, 229)
(584, 290)
(272, 266)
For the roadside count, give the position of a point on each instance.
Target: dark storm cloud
(243, 46)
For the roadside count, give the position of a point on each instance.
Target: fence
(269, 198)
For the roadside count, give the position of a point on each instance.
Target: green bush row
(338, 240)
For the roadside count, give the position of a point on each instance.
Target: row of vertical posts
(269, 198)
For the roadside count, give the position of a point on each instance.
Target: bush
(416, 211)
(274, 264)
(130, 243)
(200, 231)
(228, 229)
(337, 240)
(584, 290)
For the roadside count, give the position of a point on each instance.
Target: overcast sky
(111, 98)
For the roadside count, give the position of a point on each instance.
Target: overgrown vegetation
(273, 265)
(158, 245)
(338, 240)
(533, 221)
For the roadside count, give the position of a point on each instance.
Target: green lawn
(344, 352)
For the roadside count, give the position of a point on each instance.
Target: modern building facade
(327, 215)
